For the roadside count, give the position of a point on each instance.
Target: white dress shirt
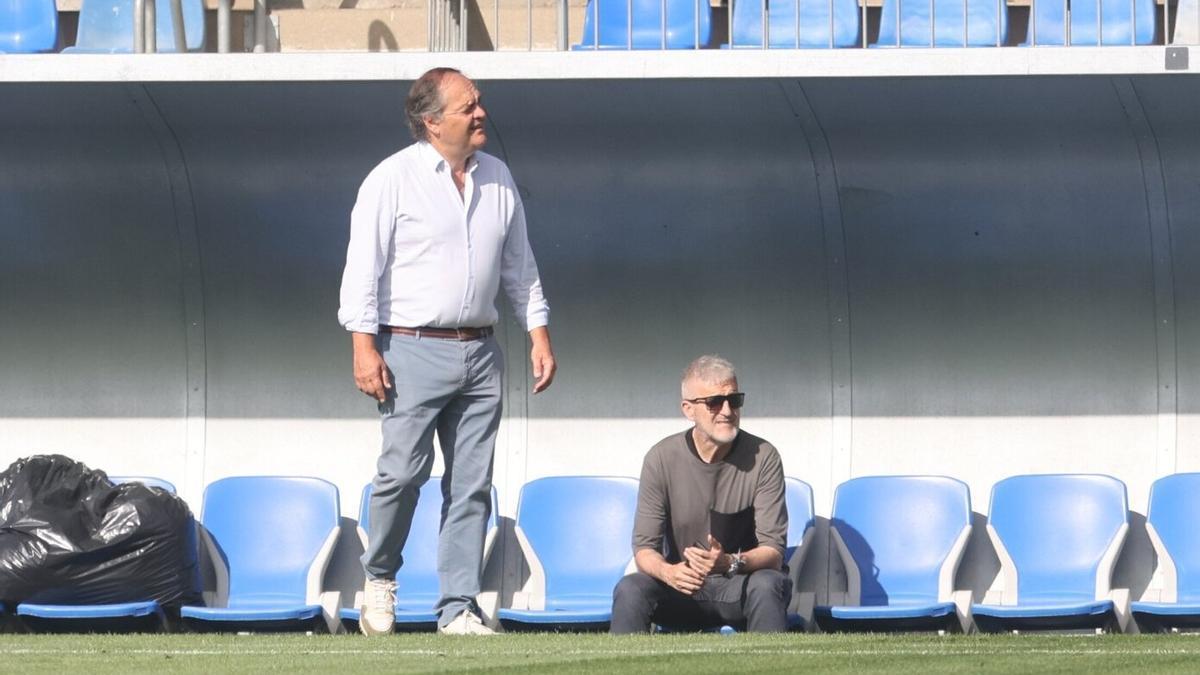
(421, 254)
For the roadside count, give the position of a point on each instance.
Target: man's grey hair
(710, 369)
(425, 100)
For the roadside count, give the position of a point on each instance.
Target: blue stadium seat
(28, 26)
(812, 29)
(575, 533)
(1058, 537)
(142, 616)
(900, 539)
(985, 22)
(688, 23)
(148, 481)
(270, 539)
(106, 26)
(1093, 22)
(1171, 522)
(417, 590)
(799, 536)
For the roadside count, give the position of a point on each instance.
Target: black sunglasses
(715, 403)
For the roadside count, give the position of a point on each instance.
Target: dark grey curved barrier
(874, 253)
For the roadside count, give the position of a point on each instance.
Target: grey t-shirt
(678, 489)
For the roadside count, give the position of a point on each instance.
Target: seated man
(697, 487)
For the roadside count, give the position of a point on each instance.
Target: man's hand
(541, 357)
(683, 578)
(370, 370)
(709, 560)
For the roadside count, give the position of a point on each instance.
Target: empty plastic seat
(955, 23)
(900, 539)
(575, 533)
(1093, 22)
(1058, 537)
(106, 26)
(687, 24)
(417, 590)
(1171, 522)
(820, 23)
(270, 539)
(28, 26)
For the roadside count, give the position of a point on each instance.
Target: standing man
(437, 229)
(716, 495)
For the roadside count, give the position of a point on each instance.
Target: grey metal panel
(670, 219)
(91, 310)
(998, 244)
(1171, 110)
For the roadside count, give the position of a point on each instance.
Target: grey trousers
(453, 388)
(756, 602)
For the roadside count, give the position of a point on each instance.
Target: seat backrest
(820, 23)
(900, 532)
(148, 481)
(1057, 529)
(956, 23)
(28, 26)
(417, 578)
(1093, 22)
(107, 26)
(799, 498)
(270, 530)
(687, 23)
(580, 528)
(1174, 512)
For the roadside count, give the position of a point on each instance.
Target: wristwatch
(736, 563)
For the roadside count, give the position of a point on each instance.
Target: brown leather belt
(460, 334)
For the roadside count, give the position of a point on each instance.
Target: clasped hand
(687, 577)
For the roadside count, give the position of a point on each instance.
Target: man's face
(720, 424)
(462, 124)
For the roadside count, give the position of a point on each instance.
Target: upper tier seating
(688, 24)
(28, 26)
(900, 539)
(1057, 537)
(575, 533)
(813, 28)
(106, 26)
(1093, 22)
(270, 539)
(1171, 522)
(956, 23)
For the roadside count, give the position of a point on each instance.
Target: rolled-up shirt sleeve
(519, 275)
(372, 223)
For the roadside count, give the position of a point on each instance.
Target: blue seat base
(238, 619)
(141, 617)
(1163, 616)
(887, 618)
(1077, 616)
(556, 620)
(407, 620)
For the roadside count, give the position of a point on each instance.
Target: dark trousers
(756, 602)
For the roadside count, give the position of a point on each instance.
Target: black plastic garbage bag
(69, 536)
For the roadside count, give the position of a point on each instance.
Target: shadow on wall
(380, 38)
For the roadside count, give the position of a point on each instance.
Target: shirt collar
(434, 160)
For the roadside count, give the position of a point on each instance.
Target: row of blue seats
(107, 25)
(901, 539)
(797, 24)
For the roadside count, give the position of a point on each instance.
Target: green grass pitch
(528, 654)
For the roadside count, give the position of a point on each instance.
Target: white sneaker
(467, 623)
(377, 616)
